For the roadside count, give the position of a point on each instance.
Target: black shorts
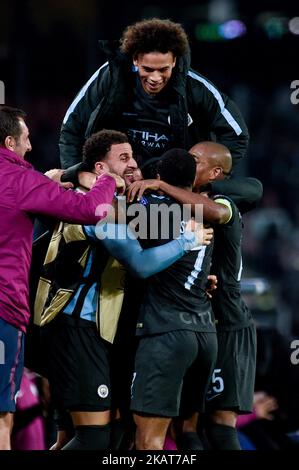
(163, 362)
(232, 385)
(77, 365)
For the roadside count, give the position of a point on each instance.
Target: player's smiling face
(155, 70)
(120, 161)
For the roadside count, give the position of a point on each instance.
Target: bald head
(213, 161)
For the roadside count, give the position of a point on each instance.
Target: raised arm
(212, 212)
(38, 194)
(122, 244)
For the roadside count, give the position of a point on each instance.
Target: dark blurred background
(250, 50)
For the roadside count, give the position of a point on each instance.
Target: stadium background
(250, 51)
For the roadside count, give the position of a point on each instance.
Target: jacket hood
(184, 62)
(109, 46)
(112, 51)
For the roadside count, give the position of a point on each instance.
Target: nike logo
(213, 396)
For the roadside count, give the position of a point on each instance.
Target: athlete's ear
(174, 62)
(10, 142)
(101, 167)
(216, 171)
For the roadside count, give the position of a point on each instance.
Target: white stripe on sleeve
(82, 93)
(225, 113)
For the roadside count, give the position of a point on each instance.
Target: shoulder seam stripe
(82, 93)
(225, 113)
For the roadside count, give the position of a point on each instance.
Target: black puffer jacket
(100, 103)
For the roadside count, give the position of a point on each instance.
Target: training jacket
(25, 192)
(201, 112)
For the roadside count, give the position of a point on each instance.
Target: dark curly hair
(154, 35)
(98, 145)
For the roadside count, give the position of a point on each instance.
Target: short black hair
(177, 167)
(10, 123)
(99, 144)
(149, 168)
